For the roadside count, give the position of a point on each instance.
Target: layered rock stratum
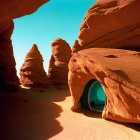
(112, 24)
(58, 65)
(32, 73)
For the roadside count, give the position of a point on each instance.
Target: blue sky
(55, 19)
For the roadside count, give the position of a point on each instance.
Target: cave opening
(93, 97)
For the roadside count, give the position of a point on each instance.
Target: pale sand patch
(45, 114)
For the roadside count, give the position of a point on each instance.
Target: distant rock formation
(58, 66)
(76, 46)
(118, 72)
(112, 24)
(11, 9)
(8, 78)
(32, 73)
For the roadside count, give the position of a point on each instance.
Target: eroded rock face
(58, 66)
(8, 78)
(11, 9)
(112, 24)
(32, 73)
(117, 71)
(76, 46)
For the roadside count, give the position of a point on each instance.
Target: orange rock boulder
(8, 78)
(58, 66)
(112, 24)
(32, 73)
(118, 72)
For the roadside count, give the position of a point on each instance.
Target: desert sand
(44, 114)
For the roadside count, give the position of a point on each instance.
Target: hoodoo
(58, 66)
(11, 9)
(32, 73)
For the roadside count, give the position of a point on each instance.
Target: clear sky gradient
(55, 19)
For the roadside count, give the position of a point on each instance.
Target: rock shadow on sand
(91, 114)
(53, 94)
(26, 117)
(134, 126)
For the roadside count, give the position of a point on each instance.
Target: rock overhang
(117, 71)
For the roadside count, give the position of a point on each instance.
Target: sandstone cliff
(112, 24)
(8, 78)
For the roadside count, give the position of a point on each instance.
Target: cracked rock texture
(118, 72)
(58, 65)
(8, 78)
(112, 24)
(32, 73)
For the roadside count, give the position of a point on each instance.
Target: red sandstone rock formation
(10, 9)
(18, 8)
(117, 71)
(8, 77)
(76, 46)
(58, 66)
(32, 73)
(112, 24)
